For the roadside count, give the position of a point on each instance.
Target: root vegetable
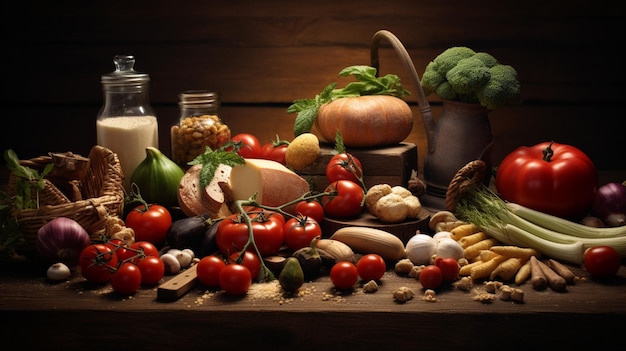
(464, 230)
(537, 277)
(484, 269)
(555, 281)
(473, 250)
(523, 274)
(522, 253)
(507, 269)
(562, 270)
(472, 239)
(302, 151)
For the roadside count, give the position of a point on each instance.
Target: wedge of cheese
(273, 183)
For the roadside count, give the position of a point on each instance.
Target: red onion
(62, 239)
(610, 204)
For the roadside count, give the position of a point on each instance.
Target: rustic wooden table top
(74, 314)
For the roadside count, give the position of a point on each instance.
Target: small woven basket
(101, 196)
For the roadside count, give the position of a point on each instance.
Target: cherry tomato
(348, 202)
(249, 259)
(248, 145)
(141, 249)
(235, 279)
(208, 270)
(267, 229)
(554, 178)
(152, 270)
(344, 275)
(602, 261)
(449, 268)
(151, 224)
(344, 166)
(300, 231)
(120, 248)
(311, 208)
(275, 150)
(371, 267)
(97, 263)
(127, 279)
(431, 277)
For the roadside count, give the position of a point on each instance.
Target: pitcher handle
(423, 105)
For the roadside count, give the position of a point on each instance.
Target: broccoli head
(461, 74)
(502, 89)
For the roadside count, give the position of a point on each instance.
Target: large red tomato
(347, 202)
(267, 230)
(150, 223)
(554, 178)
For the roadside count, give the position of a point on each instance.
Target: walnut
(404, 266)
(370, 287)
(403, 294)
(430, 295)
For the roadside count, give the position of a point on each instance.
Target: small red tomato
(344, 275)
(449, 268)
(344, 166)
(275, 150)
(371, 267)
(311, 208)
(249, 259)
(602, 261)
(431, 277)
(248, 145)
(347, 202)
(235, 279)
(150, 224)
(208, 270)
(127, 279)
(300, 231)
(152, 270)
(98, 263)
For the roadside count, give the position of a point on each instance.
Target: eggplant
(188, 233)
(208, 245)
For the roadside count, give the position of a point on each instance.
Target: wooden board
(404, 230)
(178, 286)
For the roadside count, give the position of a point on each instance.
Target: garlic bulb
(420, 248)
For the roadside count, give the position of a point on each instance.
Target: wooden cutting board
(178, 286)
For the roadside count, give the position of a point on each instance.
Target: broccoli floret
(459, 73)
(468, 75)
(449, 58)
(502, 89)
(487, 59)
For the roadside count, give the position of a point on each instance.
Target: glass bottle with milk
(126, 123)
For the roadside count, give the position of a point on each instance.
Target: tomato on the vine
(249, 259)
(139, 250)
(344, 166)
(150, 224)
(152, 270)
(249, 145)
(97, 263)
(431, 277)
(558, 179)
(267, 229)
(127, 279)
(300, 231)
(208, 270)
(344, 275)
(311, 208)
(347, 202)
(275, 150)
(371, 267)
(602, 261)
(235, 279)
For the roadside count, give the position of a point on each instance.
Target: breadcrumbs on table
(273, 291)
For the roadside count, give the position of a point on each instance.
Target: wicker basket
(101, 196)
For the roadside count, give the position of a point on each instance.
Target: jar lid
(198, 97)
(124, 73)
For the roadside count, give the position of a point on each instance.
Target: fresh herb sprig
(211, 159)
(25, 178)
(367, 84)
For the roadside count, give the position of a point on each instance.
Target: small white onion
(58, 271)
(449, 248)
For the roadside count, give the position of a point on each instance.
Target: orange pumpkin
(365, 121)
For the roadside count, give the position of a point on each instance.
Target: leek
(514, 225)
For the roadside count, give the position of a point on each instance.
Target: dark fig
(291, 277)
(310, 259)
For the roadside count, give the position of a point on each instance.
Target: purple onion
(610, 204)
(62, 240)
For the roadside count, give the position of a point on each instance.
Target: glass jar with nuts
(199, 126)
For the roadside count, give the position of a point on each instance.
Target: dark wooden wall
(260, 56)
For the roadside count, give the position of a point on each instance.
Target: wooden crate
(391, 165)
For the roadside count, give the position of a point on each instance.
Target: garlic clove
(58, 272)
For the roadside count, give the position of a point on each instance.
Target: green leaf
(211, 159)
